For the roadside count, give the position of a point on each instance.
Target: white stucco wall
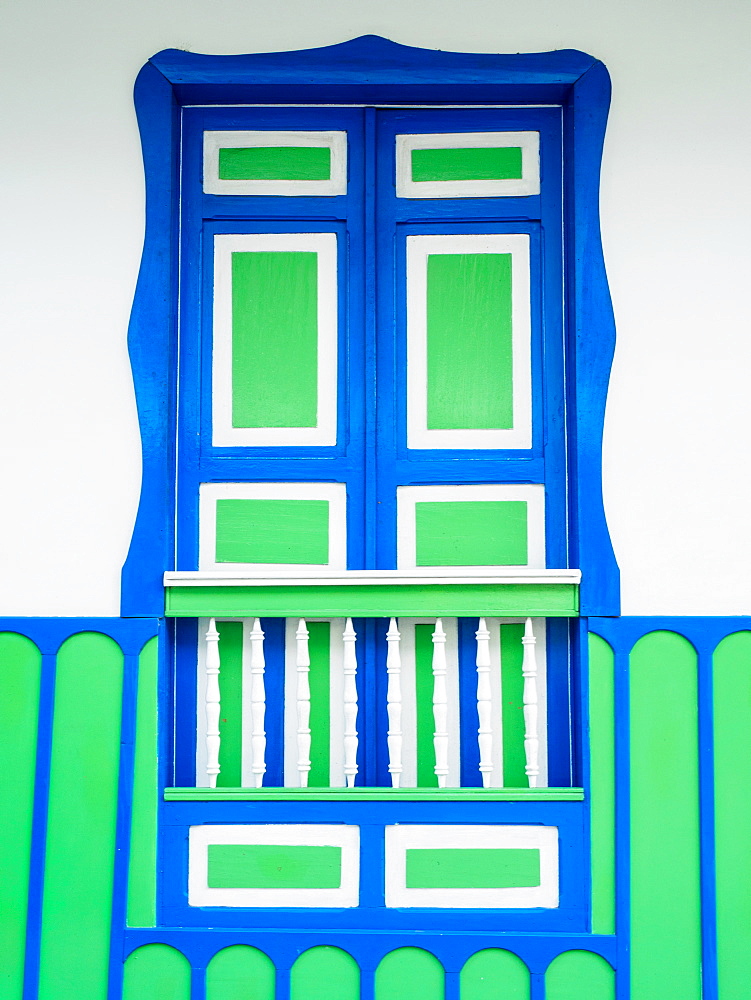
(676, 207)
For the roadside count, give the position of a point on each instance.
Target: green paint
(574, 975)
(274, 338)
(274, 866)
(665, 862)
(77, 907)
(374, 794)
(602, 783)
(155, 972)
(275, 163)
(426, 776)
(20, 671)
(472, 600)
(512, 706)
(482, 163)
(319, 643)
(494, 974)
(272, 531)
(473, 867)
(143, 825)
(408, 973)
(325, 973)
(732, 759)
(471, 533)
(469, 341)
(240, 973)
(231, 718)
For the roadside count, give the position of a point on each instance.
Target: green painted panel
(325, 973)
(231, 718)
(374, 794)
(512, 706)
(155, 972)
(732, 759)
(272, 531)
(472, 867)
(240, 973)
(665, 862)
(575, 975)
(77, 906)
(20, 671)
(275, 163)
(274, 338)
(377, 601)
(469, 341)
(494, 974)
(143, 827)
(319, 645)
(426, 776)
(481, 163)
(471, 533)
(274, 866)
(408, 973)
(602, 783)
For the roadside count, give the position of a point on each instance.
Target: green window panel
(494, 974)
(274, 338)
(230, 720)
(471, 533)
(325, 973)
(408, 973)
(275, 163)
(155, 972)
(512, 706)
(272, 531)
(482, 163)
(426, 776)
(574, 975)
(240, 973)
(469, 341)
(319, 679)
(274, 866)
(473, 868)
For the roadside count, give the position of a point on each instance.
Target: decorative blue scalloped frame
(372, 70)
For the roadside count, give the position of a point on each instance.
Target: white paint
(349, 699)
(302, 703)
(485, 735)
(335, 141)
(399, 839)
(531, 731)
(334, 493)
(223, 431)
(408, 496)
(346, 837)
(440, 705)
(419, 249)
(680, 73)
(265, 577)
(528, 183)
(212, 705)
(394, 703)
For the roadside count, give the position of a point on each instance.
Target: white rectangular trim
(399, 839)
(334, 493)
(528, 183)
(419, 248)
(406, 532)
(356, 578)
(291, 834)
(214, 141)
(324, 433)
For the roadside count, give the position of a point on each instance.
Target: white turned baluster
(257, 704)
(394, 702)
(349, 637)
(440, 705)
(484, 704)
(213, 703)
(531, 737)
(302, 664)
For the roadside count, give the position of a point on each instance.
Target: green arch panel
(325, 973)
(494, 974)
(408, 973)
(156, 972)
(20, 672)
(576, 975)
(240, 973)
(732, 760)
(80, 859)
(665, 870)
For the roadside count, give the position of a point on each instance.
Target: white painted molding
(531, 727)
(212, 704)
(257, 704)
(440, 705)
(394, 703)
(349, 637)
(302, 663)
(485, 735)
(357, 578)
